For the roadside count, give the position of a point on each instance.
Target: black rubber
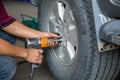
(89, 64)
(109, 9)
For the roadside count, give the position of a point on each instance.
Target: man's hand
(31, 55)
(48, 34)
(34, 55)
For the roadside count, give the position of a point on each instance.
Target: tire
(87, 63)
(109, 8)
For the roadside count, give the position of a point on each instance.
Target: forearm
(20, 30)
(11, 50)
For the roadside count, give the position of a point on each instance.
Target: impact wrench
(38, 43)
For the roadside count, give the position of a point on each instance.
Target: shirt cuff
(7, 23)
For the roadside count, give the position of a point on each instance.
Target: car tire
(87, 62)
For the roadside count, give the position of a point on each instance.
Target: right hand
(34, 55)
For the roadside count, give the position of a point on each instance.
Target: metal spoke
(67, 58)
(71, 50)
(68, 16)
(59, 10)
(63, 54)
(72, 38)
(59, 51)
(55, 10)
(54, 25)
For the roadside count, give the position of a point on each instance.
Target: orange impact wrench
(38, 43)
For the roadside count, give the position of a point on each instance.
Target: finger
(40, 51)
(50, 34)
(54, 35)
(51, 43)
(41, 56)
(56, 44)
(39, 61)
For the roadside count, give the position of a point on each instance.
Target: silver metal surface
(61, 20)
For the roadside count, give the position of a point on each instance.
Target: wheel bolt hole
(102, 49)
(58, 29)
(111, 46)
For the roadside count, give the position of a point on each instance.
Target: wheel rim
(61, 21)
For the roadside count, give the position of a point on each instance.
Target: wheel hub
(62, 21)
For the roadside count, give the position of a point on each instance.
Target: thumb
(40, 51)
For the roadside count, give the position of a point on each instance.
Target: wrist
(39, 34)
(20, 52)
(23, 54)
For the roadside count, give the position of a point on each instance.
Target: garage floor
(16, 8)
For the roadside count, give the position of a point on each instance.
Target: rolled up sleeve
(5, 19)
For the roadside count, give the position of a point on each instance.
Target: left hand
(49, 34)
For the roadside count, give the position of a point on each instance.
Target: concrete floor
(15, 8)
